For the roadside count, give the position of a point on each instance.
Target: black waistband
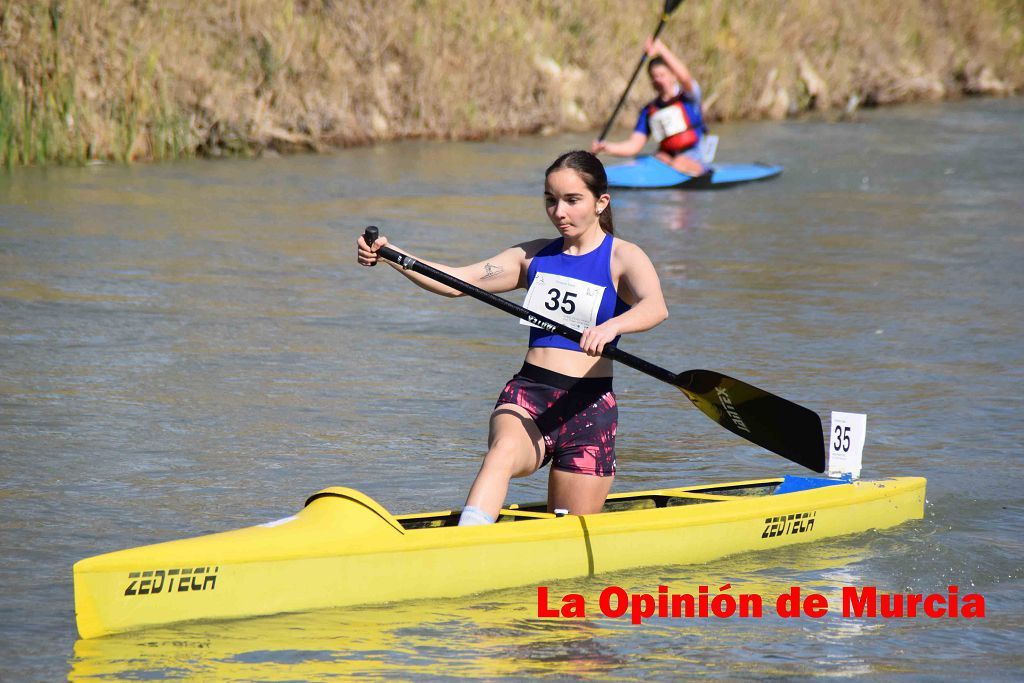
(566, 382)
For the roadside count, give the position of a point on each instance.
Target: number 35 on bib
(566, 300)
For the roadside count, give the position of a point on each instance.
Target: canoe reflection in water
(496, 633)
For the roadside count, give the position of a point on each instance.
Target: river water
(191, 347)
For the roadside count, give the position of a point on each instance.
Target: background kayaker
(560, 407)
(674, 118)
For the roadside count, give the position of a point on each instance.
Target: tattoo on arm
(491, 271)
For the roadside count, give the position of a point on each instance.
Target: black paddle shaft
(670, 6)
(772, 422)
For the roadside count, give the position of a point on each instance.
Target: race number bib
(566, 300)
(667, 122)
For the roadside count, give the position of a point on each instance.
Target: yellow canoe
(344, 548)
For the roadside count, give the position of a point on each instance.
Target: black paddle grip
(371, 234)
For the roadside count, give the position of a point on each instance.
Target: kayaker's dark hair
(657, 61)
(590, 169)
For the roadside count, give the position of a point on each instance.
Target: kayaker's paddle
(772, 422)
(670, 7)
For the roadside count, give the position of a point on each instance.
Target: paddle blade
(670, 6)
(772, 422)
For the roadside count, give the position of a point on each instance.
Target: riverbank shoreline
(132, 80)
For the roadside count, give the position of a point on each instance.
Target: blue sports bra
(568, 291)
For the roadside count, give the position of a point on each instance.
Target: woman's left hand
(594, 338)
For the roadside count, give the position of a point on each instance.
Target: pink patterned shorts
(577, 416)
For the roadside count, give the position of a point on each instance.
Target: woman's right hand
(366, 254)
(598, 146)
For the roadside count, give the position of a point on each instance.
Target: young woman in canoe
(560, 407)
(674, 118)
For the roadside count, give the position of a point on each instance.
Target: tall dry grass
(154, 79)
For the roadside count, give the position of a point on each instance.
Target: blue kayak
(648, 173)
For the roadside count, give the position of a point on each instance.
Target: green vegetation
(129, 80)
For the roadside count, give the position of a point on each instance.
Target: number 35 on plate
(846, 443)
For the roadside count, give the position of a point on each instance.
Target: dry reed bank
(156, 79)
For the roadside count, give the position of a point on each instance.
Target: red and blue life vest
(677, 124)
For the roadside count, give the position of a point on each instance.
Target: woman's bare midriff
(572, 363)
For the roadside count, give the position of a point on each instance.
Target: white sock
(472, 516)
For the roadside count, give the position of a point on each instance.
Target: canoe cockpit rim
(625, 501)
(617, 502)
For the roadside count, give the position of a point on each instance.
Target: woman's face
(571, 206)
(663, 80)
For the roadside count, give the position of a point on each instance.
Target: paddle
(670, 7)
(772, 422)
